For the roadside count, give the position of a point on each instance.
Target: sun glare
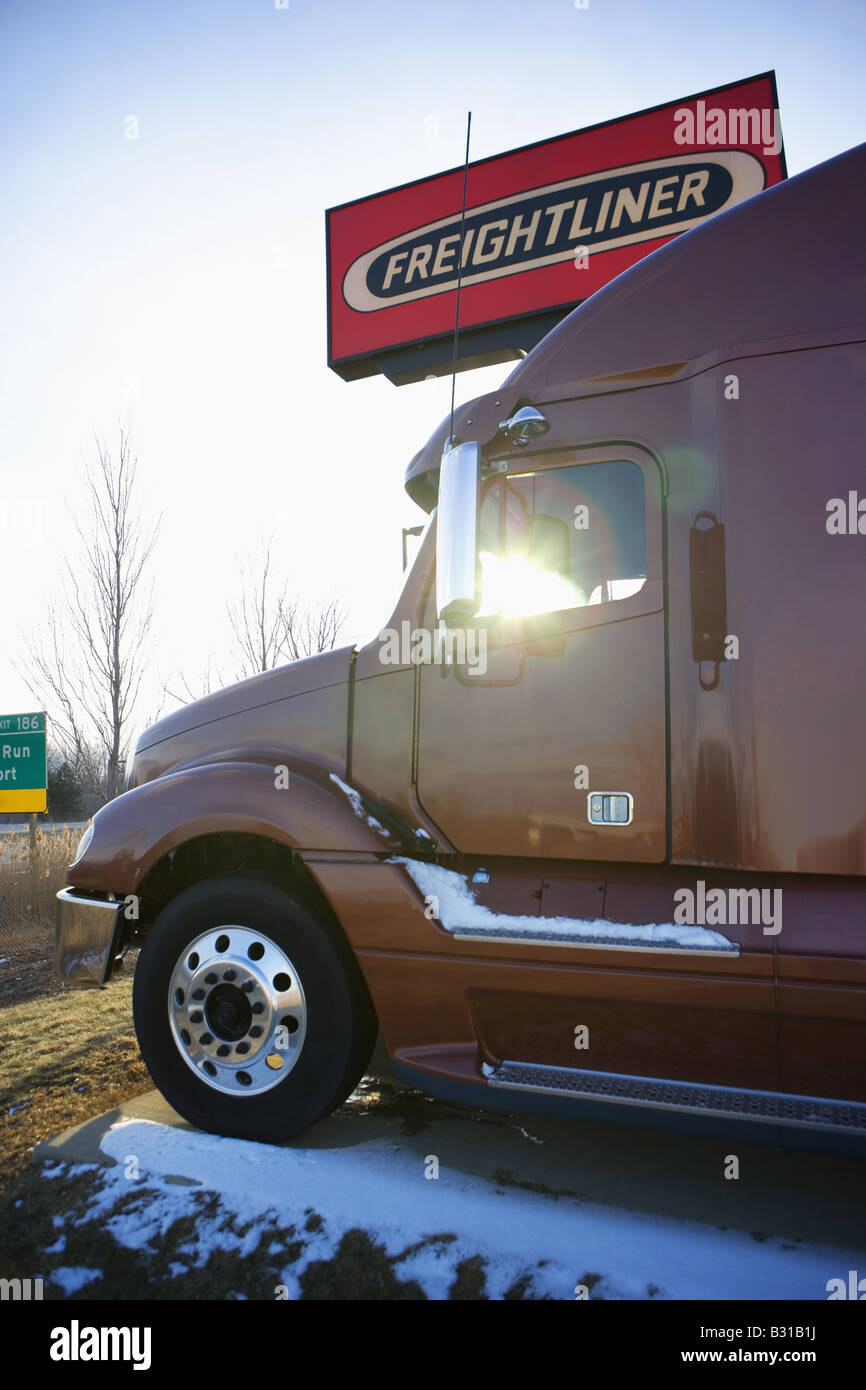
(515, 588)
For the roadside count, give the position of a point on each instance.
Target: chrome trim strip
(501, 935)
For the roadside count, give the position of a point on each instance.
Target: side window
(562, 538)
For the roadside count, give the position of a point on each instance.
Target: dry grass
(165, 1269)
(26, 892)
(27, 909)
(64, 1057)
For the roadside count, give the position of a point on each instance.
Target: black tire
(339, 1022)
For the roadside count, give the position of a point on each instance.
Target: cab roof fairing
(478, 419)
(787, 261)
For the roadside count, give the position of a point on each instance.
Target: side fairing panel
(769, 769)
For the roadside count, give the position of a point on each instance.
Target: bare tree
(257, 620)
(88, 663)
(307, 631)
(269, 628)
(208, 682)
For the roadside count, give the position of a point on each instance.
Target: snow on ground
(458, 912)
(73, 1278)
(381, 1187)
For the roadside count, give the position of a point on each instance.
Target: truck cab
(582, 829)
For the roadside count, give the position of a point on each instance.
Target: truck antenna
(459, 278)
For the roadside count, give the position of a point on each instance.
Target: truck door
(545, 736)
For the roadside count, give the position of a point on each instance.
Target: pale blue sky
(179, 278)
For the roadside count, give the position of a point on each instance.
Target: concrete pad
(80, 1143)
(799, 1196)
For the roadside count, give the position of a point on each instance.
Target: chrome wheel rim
(237, 1010)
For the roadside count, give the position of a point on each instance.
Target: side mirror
(526, 424)
(456, 524)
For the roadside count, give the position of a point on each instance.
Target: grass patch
(64, 1058)
(60, 1208)
(361, 1269)
(60, 1231)
(470, 1281)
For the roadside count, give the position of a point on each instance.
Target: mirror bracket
(490, 469)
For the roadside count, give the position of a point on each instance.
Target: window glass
(562, 538)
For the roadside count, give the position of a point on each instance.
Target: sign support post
(34, 862)
(24, 778)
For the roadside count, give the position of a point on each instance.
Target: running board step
(769, 1107)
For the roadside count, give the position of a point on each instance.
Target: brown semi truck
(584, 828)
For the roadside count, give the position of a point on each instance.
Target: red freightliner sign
(545, 226)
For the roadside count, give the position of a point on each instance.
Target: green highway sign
(22, 762)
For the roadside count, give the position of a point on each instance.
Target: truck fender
(135, 831)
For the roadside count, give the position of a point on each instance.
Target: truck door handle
(708, 595)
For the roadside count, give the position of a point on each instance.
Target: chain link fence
(27, 894)
(24, 931)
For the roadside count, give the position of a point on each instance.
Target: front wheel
(251, 1013)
